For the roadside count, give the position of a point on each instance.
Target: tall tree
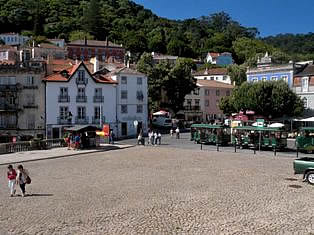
(92, 20)
(237, 74)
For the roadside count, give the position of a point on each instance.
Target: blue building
(267, 71)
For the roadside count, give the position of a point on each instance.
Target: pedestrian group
(20, 177)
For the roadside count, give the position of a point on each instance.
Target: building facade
(222, 59)
(13, 39)
(216, 74)
(303, 85)
(202, 105)
(103, 50)
(8, 54)
(267, 71)
(75, 97)
(22, 100)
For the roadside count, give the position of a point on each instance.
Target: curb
(68, 155)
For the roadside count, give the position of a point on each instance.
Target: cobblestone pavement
(156, 190)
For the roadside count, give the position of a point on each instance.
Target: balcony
(30, 87)
(81, 120)
(30, 106)
(81, 81)
(6, 125)
(8, 107)
(98, 99)
(96, 120)
(13, 88)
(81, 99)
(192, 108)
(64, 121)
(64, 99)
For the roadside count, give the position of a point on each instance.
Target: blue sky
(271, 17)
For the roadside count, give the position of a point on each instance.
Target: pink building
(202, 105)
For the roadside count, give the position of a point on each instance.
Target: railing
(8, 107)
(8, 126)
(81, 120)
(30, 106)
(8, 88)
(96, 120)
(64, 99)
(81, 81)
(98, 99)
(31, 145)
(30, 87)
(192, 108)
(81, 99)
(64, 121)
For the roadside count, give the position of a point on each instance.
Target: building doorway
(124, 128)
(56, 133)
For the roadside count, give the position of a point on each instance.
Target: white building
(224, 58)
(132, 101)
(13, 39)
(216, 74)
(74, 96)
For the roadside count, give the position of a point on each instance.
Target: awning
(310, 119)
(82, 128)
(277, 124)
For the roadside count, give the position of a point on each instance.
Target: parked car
(305, 166)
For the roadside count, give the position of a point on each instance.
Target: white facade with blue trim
(267, 71)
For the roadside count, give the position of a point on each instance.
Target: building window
(205, 78)
(207, 103)
(196, 91)
(264, 79)
(255, 79)
(285, 78)
(227, 93)
(63, 91)
(212, 78)
(81, 112)
(124, 109)
(207, 92)
(305, 102)
(97, 112)
(98, 92)
(305, 84)
(30, 99)
(63, 112)
(217, 92)
(81, 77)
(81, 91)
(139, 81)
(139, 108)
(123, 80)
(274, 78)
(197, 102)
(189, 102)
(224, 77)
(124, 94)
(29, 80)
(139, 95)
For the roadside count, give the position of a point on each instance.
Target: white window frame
(124, 80)
(124, 108)
(139, 108)
(274, 78)
(305, 84)
(305, 101)
(285, 78)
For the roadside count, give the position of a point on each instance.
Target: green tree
(93, 20)
(271, 99)
(80, 35)
(237, 73)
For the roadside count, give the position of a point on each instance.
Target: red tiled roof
(126, 70)
(215, 84)
(214, 54)
(94, 43)
(104, 79)
(49, 46)
(216, 71)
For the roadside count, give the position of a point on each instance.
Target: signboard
(106, 129)
(260, 122)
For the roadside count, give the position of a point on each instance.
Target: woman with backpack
(22, 178)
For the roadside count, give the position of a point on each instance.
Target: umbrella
(277, 124)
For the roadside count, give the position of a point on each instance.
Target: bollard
(235, 147)
(275, 152)
(201, 146)
(217, 147)
(254, 151)
(297, 152)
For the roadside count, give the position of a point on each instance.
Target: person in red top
(12, 179)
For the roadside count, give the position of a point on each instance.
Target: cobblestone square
(160, 190)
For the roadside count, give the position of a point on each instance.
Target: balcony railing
(8, 107)
(81, 99)
(8, 87)
(192, 108)
(30, 106)
(98, 99)
(30, 87)
(64, 99)
(64, 121)
(81, 81)
(8, 125)
(96, 120)
(81, 120)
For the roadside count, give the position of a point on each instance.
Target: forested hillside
(138, 29)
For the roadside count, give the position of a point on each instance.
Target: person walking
(22, 178)
(77, 140)
(177, 133)
(155, 138)
(12, 180)
(171, 132)
(159, 138)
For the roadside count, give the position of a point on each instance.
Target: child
(12, 179)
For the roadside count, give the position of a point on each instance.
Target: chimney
(95, 63)
(76, 61)
(33, 52)
(21, 56)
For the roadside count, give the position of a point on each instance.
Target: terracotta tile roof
(214, 54)
(94, 43)
(104, 79)
(216, 71)
(49, 46)
(215, 84)
(307, 71)
(126, 70)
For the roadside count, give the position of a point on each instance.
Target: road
(167, 189)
